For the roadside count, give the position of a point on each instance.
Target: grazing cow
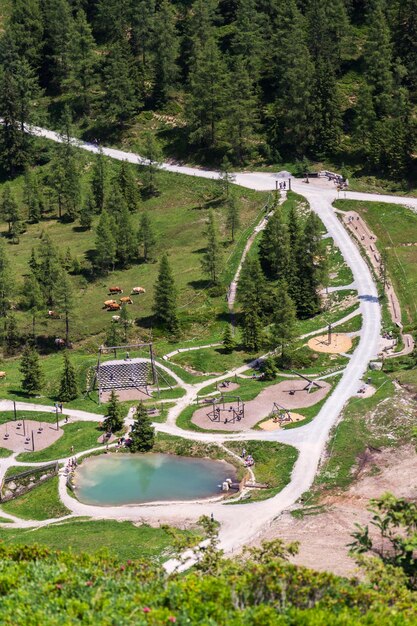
(109, 302)
(115, 290)
(2, 374)
(54, 315)
(126, 300)
(114, 307)
(115, 318)
(60, 343)
(137, 290)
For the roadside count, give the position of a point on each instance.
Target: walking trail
(237, 529)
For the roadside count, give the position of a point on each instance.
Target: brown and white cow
(126, 300)
(109, 302)
(137, 290)
(115, 290)
(54, 315)
(113, 307)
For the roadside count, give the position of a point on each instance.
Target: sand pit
(17, 440)
(273, 423)
(127, 394)
(290, 394)
(339, 343)
(227, 388)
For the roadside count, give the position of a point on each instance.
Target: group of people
(71, 465)
(248, 459)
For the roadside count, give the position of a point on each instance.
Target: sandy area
(323, 537)
(366, 391)
(339, 343)
(127, 394)
(230, 387)
(273, 424)
(19, 442)
(289, 394)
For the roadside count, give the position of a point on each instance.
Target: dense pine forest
(249, 80)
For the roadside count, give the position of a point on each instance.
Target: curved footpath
(238, 526)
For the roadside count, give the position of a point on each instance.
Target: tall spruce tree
(128, 186)
(26, 24)
(166, 47)
(32, 377)
(64, 299)
(32, 197)
(87, 212)
(99, 181)
(211, 261)
(274, 247)
(119, 102)
(165, 303)
(113, 420)
(207, 98)
(378, 59)
(142, 435)
(82, 65)
(126, 246)
(68, 389)
(146, 238)
(105, 256)
(251, 330)
(32, 298)
(310, 267)
(9, 208)
(12, 338)
(48, 269)
(233, 218)
(283, 329)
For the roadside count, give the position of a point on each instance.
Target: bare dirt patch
(324, 536)
(338, 344)
(289, 394)
(126, 394)
(19, 438)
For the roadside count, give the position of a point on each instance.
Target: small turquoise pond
(115, 479)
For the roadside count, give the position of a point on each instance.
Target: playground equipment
(124, 373)
(281, 415)
(310, 383)
(222, 406)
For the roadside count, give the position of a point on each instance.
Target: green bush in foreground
(39, 586)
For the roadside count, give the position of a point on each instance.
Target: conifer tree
(26, 24)
(247, 42)
(12, 336)
(242, 119)
(207, 95)
(126, 247)
(99, 181)
(32, 298)
(233, 219)
(87, 212)
(82, 64)
(64, 298)
(125, 321)
(115, 203)
(310, 267)
(105, 257)
(48, 269)
(113, 420)
(251, 330)
(113, 335)
(9, 209)
(365, 118)
(166, 46)
(32, 378)
(65, 181)
(128, 187)
(142, 435)
(57, 21)
(284, 319)
(378, 58)
(153, 154)
(211, 261)
(119, 101)
(6, 283)
(252, 289)
(32, 197)
(274, 247)
(228, 342)
(165, 304)
(19, 91)
(143, 18)
(226, 177)
(146, 238)
(68, 389)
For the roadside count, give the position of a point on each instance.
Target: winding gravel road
(240, 524)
